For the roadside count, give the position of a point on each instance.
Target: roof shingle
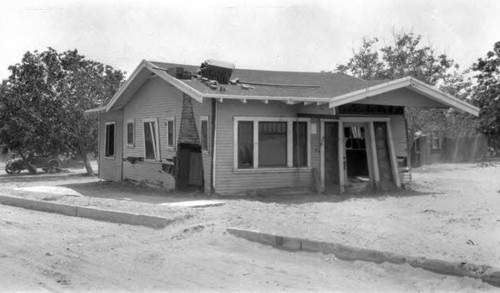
(328, 84)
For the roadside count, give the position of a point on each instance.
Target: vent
(217, 70)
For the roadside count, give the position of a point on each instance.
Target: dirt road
(48, 252)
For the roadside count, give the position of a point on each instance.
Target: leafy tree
(29, 107)
(44, 100)
(87, 84)
(406, 56)
(486, 94)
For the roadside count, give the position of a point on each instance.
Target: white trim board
(409, 82)
(255, 121)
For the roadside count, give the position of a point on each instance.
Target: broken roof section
(285, 84)
(294, 87)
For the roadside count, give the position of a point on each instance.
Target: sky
(294, 35)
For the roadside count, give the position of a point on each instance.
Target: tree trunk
(31, 168)
(85, 159)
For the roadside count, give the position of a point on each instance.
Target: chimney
(217, 70)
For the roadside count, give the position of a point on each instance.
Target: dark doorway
(357, 168)
(332, 178)
(190, 167)
(355, 151)
(383, 156)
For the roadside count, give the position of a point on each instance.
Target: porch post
(373, 148)
(342, 162)
(392, 153)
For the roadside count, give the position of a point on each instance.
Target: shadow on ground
(315, 197)
(40, 177)
(130, 192)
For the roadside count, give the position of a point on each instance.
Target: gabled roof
(292, 87)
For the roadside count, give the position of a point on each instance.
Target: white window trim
(133, 132)
(205, 118)
(256, 121)
(157, 138)
(172, 120)
(106, 138)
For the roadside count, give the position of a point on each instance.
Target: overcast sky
(271, 34)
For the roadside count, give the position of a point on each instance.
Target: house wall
(159, 100)
(229, 180)
(110, 168)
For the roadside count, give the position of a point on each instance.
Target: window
(170, 133)
(271, 142)
(300, 149)
(130, 133)
(245, 144)
(110, 139)
(151, 142)
(205, 133)
(435, 141)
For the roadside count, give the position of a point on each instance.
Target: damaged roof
(283, 83)
(292, 87)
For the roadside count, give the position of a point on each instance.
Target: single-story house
(225, 130)
(438, 147)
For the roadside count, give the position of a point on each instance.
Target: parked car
(46, 163)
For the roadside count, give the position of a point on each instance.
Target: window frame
(436, 142)
(168, 142)
(256, 120)
(308, 145)
(158, 154)
(106, 140)
(130, 121)
(205, 119)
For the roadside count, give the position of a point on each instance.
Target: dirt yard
(452, 214)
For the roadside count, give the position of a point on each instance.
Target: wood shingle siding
(110, 168)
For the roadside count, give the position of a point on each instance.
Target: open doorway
(331, 157)
(190, 167)
(356, 157)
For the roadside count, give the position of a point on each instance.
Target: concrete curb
(344, 252)
(85, 212)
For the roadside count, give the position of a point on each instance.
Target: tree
(44, 100)
(30, 106)
(486, 94)
(87, 84)
(406, 56)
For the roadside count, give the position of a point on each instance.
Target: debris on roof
(179, 72)
(217, 70)
(246, 86)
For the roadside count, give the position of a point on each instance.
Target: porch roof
(292, 88)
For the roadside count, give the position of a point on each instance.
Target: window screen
(300, 144)
(245, 144)
(130, 133)
(110, 140)
(170, 133)
(151, 141)
(272, 144)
